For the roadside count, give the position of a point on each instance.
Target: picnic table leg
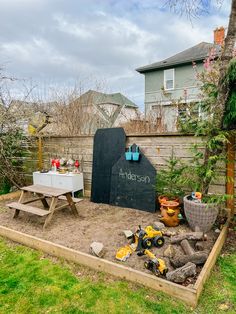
(43, 200)
(21, 199)
(51, 211)
(72, 204)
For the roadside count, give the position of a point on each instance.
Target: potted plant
(198, 176)
(169, 184)
(204, 167)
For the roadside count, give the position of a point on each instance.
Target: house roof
(196, 53)
(98, 98)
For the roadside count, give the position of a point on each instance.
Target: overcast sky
(58, 42)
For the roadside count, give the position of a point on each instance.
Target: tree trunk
(223, 88)
(227, 55)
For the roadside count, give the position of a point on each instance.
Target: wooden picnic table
(43, 193)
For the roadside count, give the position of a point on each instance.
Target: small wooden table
(44, 192)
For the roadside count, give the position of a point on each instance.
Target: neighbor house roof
(193, 54)
(98, 98)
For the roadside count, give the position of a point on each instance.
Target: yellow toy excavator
(154, 264)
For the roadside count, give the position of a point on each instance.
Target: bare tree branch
(191, 8)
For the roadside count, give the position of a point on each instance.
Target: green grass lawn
(31, 282)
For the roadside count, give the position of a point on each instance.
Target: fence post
(230, 173)
(40, 153)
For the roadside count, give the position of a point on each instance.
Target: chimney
(219, 36)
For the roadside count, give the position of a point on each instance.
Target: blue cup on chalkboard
(128, 154)
(136, 154)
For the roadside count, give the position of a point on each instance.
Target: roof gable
(98, 98)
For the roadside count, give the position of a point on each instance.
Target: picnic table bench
(43, 193)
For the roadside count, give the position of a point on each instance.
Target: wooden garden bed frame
(189, 295)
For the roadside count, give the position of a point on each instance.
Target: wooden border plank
(206, 270)
(183, 293)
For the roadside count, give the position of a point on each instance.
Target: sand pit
(99, 223)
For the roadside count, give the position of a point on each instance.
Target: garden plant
(210, 157)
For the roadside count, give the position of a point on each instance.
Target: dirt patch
(96, 222)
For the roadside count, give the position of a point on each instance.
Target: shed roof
(196, 53)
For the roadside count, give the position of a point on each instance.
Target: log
(179, 275)
(188, 250)
(198, 258)
(189, 236)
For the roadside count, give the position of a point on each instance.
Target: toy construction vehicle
(154, 264)
(123, 253)
(140, 240)
(146, 238)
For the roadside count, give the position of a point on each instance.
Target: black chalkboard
(109, 145)
(133, 183)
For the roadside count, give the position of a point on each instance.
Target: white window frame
(173, 75)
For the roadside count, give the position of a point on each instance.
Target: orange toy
(170, 216)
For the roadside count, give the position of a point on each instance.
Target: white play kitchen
(64, 175)
(71, 181)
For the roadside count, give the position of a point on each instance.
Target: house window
(193, 110)
(169, 79)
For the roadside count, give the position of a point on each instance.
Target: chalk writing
(133, 177)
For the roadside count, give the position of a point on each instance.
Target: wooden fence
(157, 148)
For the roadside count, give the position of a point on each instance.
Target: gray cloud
(59, 41)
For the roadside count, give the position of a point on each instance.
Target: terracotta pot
(200, 214)
(162, 198)
(170, 204)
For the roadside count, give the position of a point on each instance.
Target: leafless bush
(152, 123)
(75, 112)
(12, 149)
(73, 115)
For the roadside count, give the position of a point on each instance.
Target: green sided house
(173, 80)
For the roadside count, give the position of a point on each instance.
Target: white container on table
(71, 181)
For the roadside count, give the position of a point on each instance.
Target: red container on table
(77, 164)
(57, 163)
